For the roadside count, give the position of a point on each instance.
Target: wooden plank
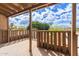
(24, 5)
(73, 31)
(45, 35)
(12, 6)
(33, 7)
(34, 34)
(69, 42)
(64, 43)
(18, 6)
(51, 39)
(64, 39)
(30, 31)
(55, 40)
(4, 13)
(38, 39)
(59, 41)
(41, 36)
(47, 40)
(6, 8)
(15, 6)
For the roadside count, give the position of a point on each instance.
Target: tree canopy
(40, 26)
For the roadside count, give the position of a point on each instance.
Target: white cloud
(59, 11)
(69, 7)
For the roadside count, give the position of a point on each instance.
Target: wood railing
(17, 34)
(3, 36)
(34, 34)
(11, 35)
(55, 40)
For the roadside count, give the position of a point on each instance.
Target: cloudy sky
(56, 15)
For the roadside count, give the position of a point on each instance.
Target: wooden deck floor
(21, 48)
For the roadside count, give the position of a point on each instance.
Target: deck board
(21, 48)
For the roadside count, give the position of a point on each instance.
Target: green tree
(40, 26)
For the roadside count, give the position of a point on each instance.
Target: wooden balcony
(58, 42)
(63, 41)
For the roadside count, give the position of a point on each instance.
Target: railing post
(38, 42)
(30, 30)
(73, 32)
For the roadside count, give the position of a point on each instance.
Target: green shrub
(39, 26)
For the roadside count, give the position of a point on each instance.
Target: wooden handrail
(17, 34)
(61, 40)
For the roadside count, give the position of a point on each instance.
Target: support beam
(73, 32)
(10, 6)
(20, 7)
(6, 8)
(4, 13)
(34, 7)
(30, 30)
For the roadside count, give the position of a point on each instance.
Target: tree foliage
(40, 26)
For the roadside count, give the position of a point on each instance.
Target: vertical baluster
(14, 35)
(19, 34)
(27, 33)
(43, 38)
(49, 37)
(41, 34)
(64, 42)
(24, 33)
(47, 40)
(11, 35)
(55, 40)
(64, 39)
(38, 39)
(69, 42)
(51, 40)
(34, 34)
(59, 40)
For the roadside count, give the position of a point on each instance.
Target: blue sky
(56, 15)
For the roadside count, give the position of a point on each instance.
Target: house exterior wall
(3, 29)
(3, 22)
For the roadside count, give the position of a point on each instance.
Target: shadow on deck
(21, 48)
